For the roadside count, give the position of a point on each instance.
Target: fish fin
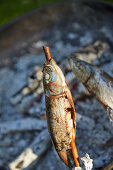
(63, 156)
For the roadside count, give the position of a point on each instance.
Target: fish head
(53, 78)
(81, 69)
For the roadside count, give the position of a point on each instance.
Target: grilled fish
(98, 82)
(60, 113)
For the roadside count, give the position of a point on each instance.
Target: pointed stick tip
(75, 153)
(47, 52)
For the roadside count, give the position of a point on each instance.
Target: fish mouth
(74, 63)
(47, 66)
(71, 63)
(77, 65)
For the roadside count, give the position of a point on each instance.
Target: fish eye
(47, 76)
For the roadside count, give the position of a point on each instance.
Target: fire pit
(83, 28)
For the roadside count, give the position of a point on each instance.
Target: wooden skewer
(75, 153)
(47, 53)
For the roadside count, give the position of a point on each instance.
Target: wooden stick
(75, 153)
(47, 53)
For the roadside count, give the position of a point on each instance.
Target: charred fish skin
(60, 122)
(95, 80)
(60, 126)
(60, 112)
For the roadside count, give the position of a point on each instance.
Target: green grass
(10, 9)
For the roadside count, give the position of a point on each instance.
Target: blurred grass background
(10, 9)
